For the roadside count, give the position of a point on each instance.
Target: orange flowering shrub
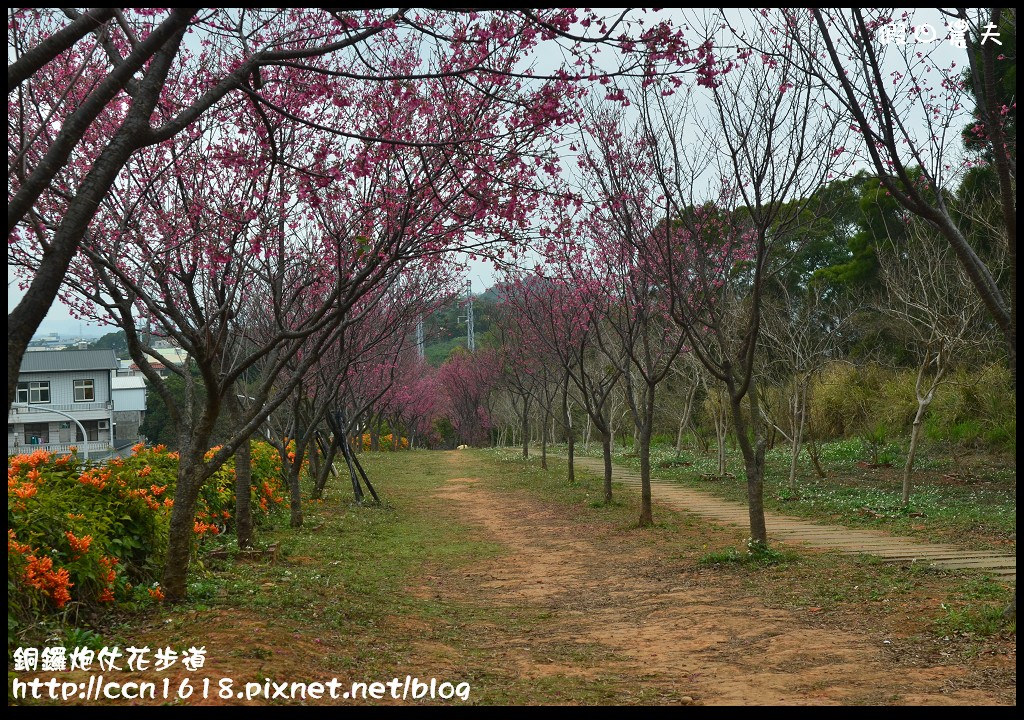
(385, 442)
(69, 525)
(96, 535)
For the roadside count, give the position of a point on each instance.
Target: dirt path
(618, 614)
(791, 529)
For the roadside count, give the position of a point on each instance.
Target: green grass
(977, 512)
(757, 556)
(931, 600)
(970, 620)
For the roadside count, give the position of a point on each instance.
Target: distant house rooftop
(62, 360)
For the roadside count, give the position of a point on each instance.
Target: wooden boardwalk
(789, 529)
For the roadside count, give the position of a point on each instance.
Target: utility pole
(419, 337)
(468, 317)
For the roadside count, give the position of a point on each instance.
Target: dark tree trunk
(526, 430)
(606, 448)
(326, 469)
(314, 460)
(396, 436)
(243, 478)
(182, 527)
(243, 494)
(295, 491)
(644, 438)
(753, 462)
(646, 514)
(544, 438)
(567, 423)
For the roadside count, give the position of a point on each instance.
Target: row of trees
(707, 243)
(277, 192)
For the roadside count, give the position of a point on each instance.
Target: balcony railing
(49, 407)
(94, 447)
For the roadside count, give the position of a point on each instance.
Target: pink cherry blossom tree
(631, 315)
(467, 379)
(89, 91)
(225, 241)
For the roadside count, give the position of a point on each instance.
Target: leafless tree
(930, 293)
(775, 149)
(901, 101)
(801, 332)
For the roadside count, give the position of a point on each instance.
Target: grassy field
(436, 584)
(976, 508)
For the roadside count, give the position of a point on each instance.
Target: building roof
(61, 360)
(128, 382)
(175, 355)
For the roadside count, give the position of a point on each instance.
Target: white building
(60, 394)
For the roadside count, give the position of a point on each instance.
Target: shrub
(93, 535)
(384, 441)
(82, 534)
(971, 407)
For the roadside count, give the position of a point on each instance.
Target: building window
(34, 392)
(92, 430)
(37, 433)
(85, 390)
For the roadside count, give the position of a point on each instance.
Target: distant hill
(444, 331)
(115, 341)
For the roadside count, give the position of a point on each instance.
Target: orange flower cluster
(39, 573)
(138, 447)
(109, 576)
(267, 496)
(14, 546)
(79, 546)
(108, 564)
(24, 490)
(151, 502)
(97, 477)
(385, 441)
(157, 594)
(17, 462)
(201, 528)
(211, 452)
(145, 471)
